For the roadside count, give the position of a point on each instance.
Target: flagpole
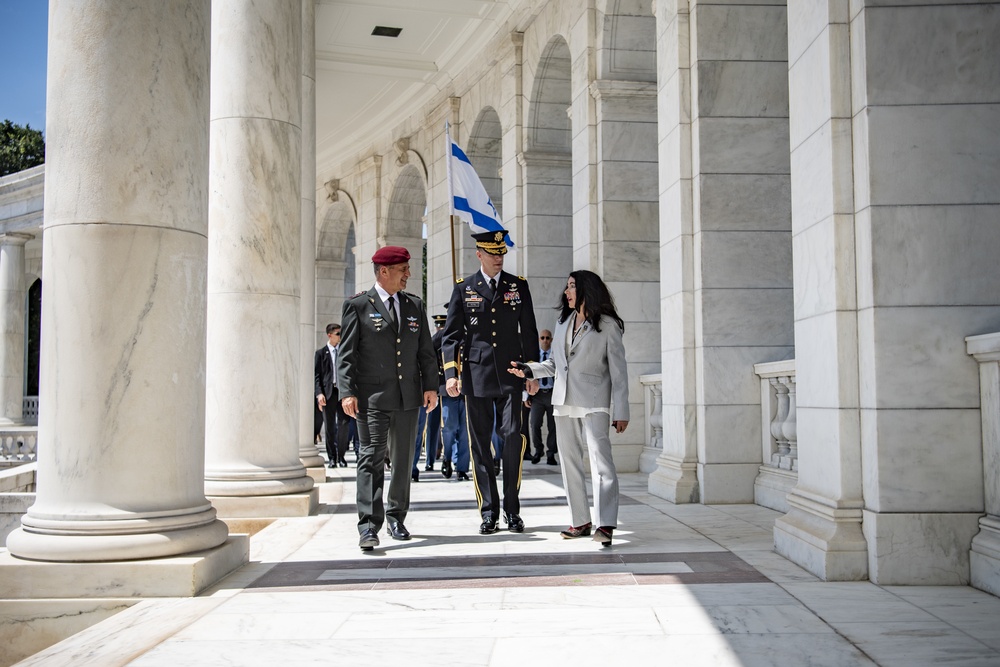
(451, 202)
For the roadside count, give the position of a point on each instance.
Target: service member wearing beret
(491, 323)
(386, 372)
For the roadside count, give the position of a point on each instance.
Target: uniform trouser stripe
(506, 412)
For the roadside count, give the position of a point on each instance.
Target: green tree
(20, 148)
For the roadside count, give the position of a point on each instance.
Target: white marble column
(676, 475)
(725, 235)
(121, 434)
(12, 297)
(308, 451)
(822, 530)
(254, 262)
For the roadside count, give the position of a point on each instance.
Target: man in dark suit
(386, 372)
(541, 408)
(491, 323)
(336, 421)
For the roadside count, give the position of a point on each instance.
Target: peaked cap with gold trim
(494, 243)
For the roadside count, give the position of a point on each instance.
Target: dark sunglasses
(545, 338)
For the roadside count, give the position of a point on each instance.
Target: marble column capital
(15, 238)
(544, 159)
(600, 88)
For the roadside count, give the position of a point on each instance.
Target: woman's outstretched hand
(519, 369)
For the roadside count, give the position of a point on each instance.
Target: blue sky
(23, 37)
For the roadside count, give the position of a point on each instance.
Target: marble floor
(683, 585)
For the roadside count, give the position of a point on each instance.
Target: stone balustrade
(984, 559)
(779, 439)
(653, 400)
(17, 493)
(18, 445)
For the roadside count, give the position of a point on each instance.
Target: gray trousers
(381, 433)
(590, 431)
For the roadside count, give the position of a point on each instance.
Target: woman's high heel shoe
(576, 531)
(603, 535)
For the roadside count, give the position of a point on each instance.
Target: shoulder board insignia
(460, 280)
(522, 277)
(360, 293)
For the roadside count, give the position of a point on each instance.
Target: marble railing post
(778, 473)
(123, 359)
(653, 391)
(308, 452)
(984, 559)
(777, 424)
(254, 263)
(12, 327)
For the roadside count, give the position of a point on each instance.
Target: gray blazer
(594, 375)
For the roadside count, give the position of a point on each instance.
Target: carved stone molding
(333, 190)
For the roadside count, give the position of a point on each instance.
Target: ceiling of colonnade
(366, 82)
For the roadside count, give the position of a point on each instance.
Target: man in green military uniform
(386, 371)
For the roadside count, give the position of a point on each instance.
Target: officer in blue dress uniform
(491, 323)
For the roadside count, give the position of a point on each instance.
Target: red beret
(391, 254)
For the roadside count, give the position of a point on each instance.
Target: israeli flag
(470, 201)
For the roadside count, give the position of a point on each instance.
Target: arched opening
(335, 266)
(406, 222)
(484, 151)
(350, 271)
(548, 191)
(628, 44)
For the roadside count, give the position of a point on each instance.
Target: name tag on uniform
(474, 301)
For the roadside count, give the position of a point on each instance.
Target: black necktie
(391, 303)
(493, 286)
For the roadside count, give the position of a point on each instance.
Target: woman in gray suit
(590, 396)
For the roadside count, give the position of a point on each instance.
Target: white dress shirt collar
(488, 278)
(382, 294)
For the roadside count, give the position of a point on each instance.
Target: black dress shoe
(398, 531)
(369, 540)
(446, 469)
(343, 462)
(551, 460)
(488, 527)
(536, 458)
(514, 523)
(463, 476)
(415, 475)
(428, 467)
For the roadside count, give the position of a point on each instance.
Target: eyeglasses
(545, 338)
